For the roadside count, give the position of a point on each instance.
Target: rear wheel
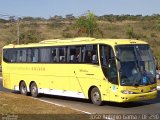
(34, 90)
(23, 88)
(96, 96)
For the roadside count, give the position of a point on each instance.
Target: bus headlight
(153, 89)
(126, 92)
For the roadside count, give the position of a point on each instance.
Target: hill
(146, 28)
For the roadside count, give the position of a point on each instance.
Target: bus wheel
(23, 88)
(96, 96)
(34, 90)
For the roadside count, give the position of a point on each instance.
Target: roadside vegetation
(28, 108)
(31, 29)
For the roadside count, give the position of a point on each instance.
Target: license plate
(142, 97)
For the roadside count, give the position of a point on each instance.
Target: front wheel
(96, 96)
(34, 90)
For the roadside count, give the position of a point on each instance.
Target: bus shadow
(111, 104)
(126, 105)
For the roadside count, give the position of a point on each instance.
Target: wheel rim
(34, 90)
(96, 96)
(23, 89)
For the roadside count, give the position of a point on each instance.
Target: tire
(96, 96)
(23, 88)
(34, 90)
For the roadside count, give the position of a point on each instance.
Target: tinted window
(54, 55)
(29, 55)
(62, 54)
(90, 54)
(66, 54)
(74, 54)
(45, 55)
(35, 57)
(9, 55)
(21, 55)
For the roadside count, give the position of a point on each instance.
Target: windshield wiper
(136, 84)
(136, 79)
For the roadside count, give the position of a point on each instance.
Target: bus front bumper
(137, 97)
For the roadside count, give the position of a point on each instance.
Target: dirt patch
(29, 108)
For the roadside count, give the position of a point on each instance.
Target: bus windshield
(136, 65)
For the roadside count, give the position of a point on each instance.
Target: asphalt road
(143, 107)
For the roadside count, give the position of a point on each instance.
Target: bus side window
(23, 55)
(45, 55)
(94, 59)
(90, 54)
(9, 55)
(74, 54)
(95, 55)
(29, 55)
(53, 55)
(13, 56)
(62, 54)
(72, 58)
(35, 55)
(6, 54)
(79, 54)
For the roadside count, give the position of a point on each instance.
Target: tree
(130, 32)
(30, 36)
(87, 24)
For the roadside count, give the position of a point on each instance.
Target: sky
(48, 8)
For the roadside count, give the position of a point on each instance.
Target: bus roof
(78, 41)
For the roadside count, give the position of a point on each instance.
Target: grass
(147, 30)
(23, 106)
(40, 30)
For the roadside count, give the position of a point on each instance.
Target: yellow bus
(118, 70)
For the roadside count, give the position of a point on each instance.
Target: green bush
(67, 35)
(30, 36)
(55, 24)
(130, 33)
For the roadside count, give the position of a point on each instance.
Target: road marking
(62, 105)
(48, 102)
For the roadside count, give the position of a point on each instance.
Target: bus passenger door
(113, 79)
(104, 56)
(108, 65)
